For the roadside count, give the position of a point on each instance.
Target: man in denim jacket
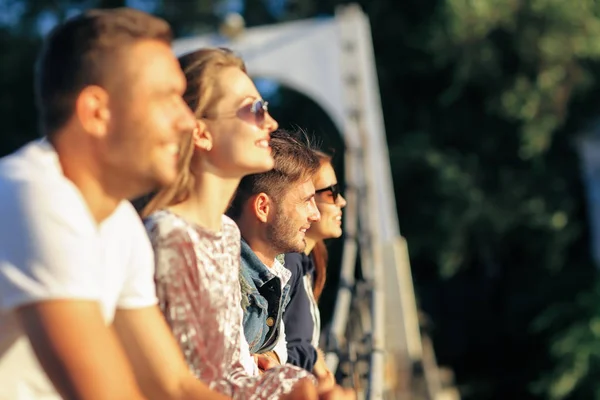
(273, 211)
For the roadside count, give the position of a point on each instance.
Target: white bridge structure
(375, 342)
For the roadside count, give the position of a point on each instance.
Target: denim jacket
(262, 301)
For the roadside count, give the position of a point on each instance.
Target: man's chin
(163, 179)
(301, 246)
(293, 248)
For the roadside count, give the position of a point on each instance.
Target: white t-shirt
(51, 248)
(281, 346)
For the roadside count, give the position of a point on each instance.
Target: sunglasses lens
(259, 108)
(334, 189)
(335, 192)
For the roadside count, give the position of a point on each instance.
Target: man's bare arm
(159, 366)
(79, 353)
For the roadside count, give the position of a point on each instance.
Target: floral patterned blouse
(199, 294)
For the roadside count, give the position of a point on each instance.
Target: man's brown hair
(295, 161)
(79, 53)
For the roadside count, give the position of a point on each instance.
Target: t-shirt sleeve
(47, 246)
(139, 289)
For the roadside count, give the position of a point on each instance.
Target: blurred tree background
(483, 101)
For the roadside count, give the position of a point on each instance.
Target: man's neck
(208, 201)
(262, 250)
(78, 165)
(310, 245)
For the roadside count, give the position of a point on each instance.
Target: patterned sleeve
(177, 286)
(272, 384)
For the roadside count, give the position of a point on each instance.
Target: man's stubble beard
(281, 237)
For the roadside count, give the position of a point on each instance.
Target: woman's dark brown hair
(320, 257)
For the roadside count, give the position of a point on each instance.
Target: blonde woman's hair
(200, 69)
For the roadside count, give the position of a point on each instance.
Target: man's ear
(202, 137)
(91, 109)
(262, 206)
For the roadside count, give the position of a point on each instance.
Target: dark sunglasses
(259, 108)
(334, 189)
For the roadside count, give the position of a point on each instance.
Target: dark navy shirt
(297, 317)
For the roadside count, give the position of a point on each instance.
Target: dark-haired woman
(301, 318)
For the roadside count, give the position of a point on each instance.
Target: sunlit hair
(83, 51)
(294, 161)
(319, 253)
(200, 69)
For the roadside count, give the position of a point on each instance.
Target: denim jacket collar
(254, 268)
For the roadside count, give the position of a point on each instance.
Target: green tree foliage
(21, 25)
(482, 102)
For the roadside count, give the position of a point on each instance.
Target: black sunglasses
(334, 189)
(259, 108)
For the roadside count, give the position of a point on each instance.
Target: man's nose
(187, 119)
